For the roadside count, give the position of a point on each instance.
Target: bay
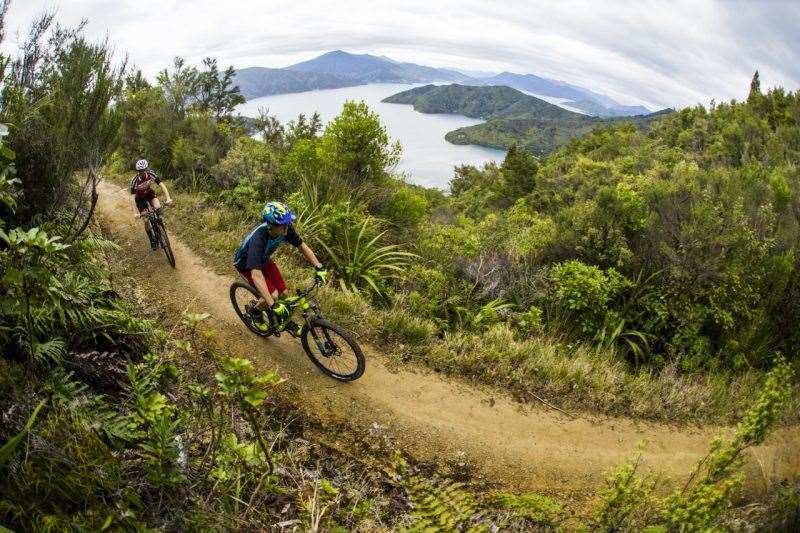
(427, 158)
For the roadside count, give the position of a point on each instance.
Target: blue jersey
(258, 246)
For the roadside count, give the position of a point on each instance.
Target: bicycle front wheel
(165, 245)
(333, 350)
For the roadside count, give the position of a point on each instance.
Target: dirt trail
(521, 447)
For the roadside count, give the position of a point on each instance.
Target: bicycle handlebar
(309, 290)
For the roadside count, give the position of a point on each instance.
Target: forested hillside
(649, 274)
(256, 81)
(512, 117)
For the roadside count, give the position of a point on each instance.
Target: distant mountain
(254, 82)
(512, 116)
(590, 102)
(342, 69)
(373, 69)
(476, 73)
(545, 87)
(630, 110)
(593, 108)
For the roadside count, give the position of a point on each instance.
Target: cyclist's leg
(143, 205)
(248, 277)
(153, 203)
(274, 279)
(255, 308)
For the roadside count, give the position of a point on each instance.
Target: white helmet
(142, 164)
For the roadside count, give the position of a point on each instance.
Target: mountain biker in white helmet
(143, 197)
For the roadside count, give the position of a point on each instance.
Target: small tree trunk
(92, 178)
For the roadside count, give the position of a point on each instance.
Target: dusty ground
(434, 419)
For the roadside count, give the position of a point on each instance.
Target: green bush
(586, 291)
(444, 244)
(406, 206)
(253, 162)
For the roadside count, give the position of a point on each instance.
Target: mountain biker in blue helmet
(253, 260)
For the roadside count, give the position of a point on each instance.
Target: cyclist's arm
(166, 192)
(133, 205)
(308, 253)
(261, 285)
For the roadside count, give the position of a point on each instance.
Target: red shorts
(271, 274)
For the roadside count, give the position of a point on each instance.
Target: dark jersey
(140, 185)
(258, 246)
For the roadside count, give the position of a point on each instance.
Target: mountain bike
(331, 348)
(160, 233)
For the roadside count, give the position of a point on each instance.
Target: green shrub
(406, 206)
(364, 263)
(445, 243)
(251, 162)
(586, 291)
(530, 322)
(245, 198)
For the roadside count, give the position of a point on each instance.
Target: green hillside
(255, 82)
(512, 117)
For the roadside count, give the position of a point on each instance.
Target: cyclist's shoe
(259, 319)
(280, 310)
(293, 328)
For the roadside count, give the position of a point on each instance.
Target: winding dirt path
(519, 447)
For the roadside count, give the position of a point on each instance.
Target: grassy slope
(571, 376)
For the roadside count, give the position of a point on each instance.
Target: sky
(660, 54)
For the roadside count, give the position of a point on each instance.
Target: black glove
(322, 274)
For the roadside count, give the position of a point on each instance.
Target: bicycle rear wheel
(164, 241)
(243, 298)
(333, 350)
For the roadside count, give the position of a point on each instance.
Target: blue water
(427, 158)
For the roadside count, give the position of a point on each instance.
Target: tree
(215, 91)
(755, 89)
(60, 96)
(303, 129)
(179, 86)
(519, 174)
(272, 131)
(356, 146)
(136, 82)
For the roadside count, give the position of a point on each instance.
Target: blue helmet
(277, 214)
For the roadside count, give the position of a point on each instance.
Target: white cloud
(657, 53)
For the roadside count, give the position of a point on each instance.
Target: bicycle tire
(241, 313)
(165, 244)
(326, 326)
